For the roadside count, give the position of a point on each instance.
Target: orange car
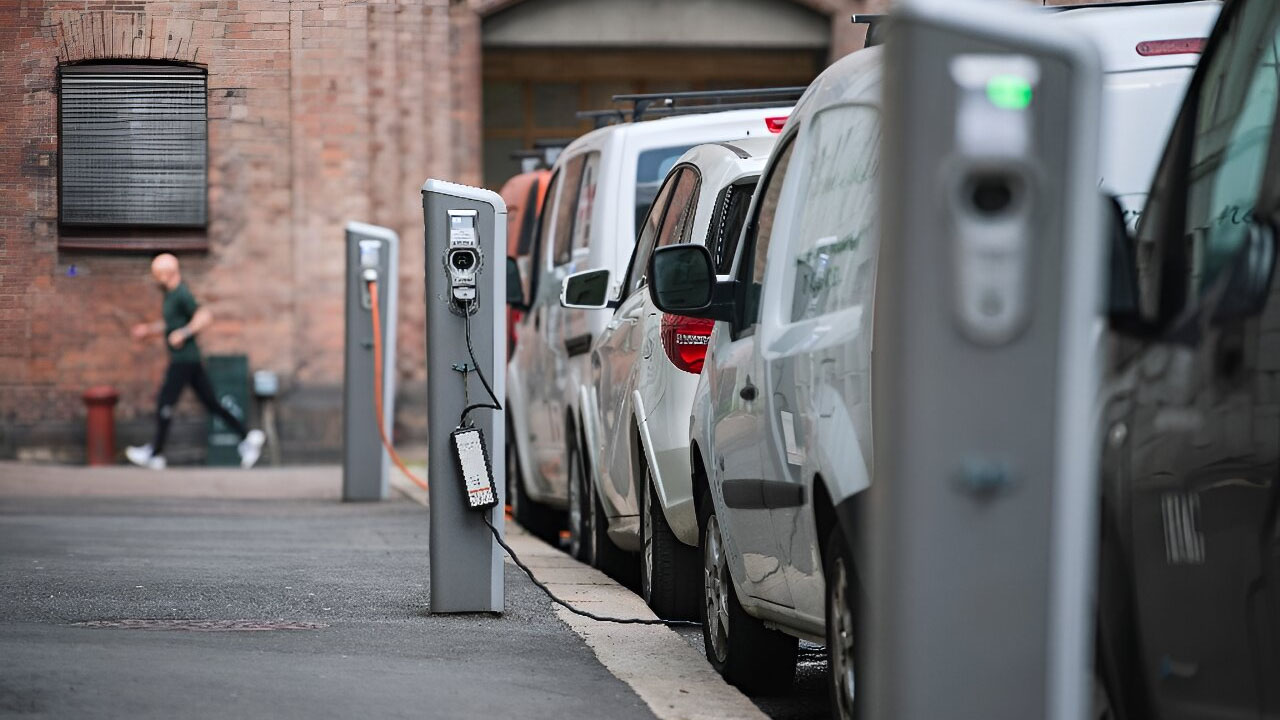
(523, 195)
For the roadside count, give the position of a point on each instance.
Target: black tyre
(757, 660)
(843, 646)
(668, 567)
(540, 520)
(581, 545)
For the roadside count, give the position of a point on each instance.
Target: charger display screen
(462, 229)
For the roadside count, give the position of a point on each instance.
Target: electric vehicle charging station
(466, 249)
(983, 510)
(372, 256)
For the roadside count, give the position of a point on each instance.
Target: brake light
(775, 124)
(1181, 46)
(685, 341)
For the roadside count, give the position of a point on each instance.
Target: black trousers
(177, 377)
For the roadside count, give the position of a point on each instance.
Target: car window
(648, 234)
(761, 233)
(586, 201)
(832, 229)
(1218, 155)
(1234, 119)
(651, 167)
(528, 219)
(726, 224)
(542, 238)
(566, 209)
(678, 222)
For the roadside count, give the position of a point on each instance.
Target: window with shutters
(133, 143)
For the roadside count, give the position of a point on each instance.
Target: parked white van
(780, 435)
(602, 183)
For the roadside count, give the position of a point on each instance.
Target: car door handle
(748, 392)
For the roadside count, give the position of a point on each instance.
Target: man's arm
(142, 331)
(199, 321)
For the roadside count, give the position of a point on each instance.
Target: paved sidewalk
(320, 482)
(272, 547)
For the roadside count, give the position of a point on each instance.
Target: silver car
(634, 406)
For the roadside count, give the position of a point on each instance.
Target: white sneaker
(251, 448)
(143, 456)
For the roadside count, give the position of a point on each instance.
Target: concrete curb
(661, 667)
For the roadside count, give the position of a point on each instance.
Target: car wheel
(540, 520)
(581, 546)
(843, 646)
(757, 660)
(668, 567)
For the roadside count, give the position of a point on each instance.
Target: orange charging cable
(377, 387)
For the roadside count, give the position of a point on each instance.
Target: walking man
(183, 319)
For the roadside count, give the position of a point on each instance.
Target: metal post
(372, 254)
(983, 508)
(466, 562)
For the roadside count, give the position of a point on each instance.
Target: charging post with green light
(982, 512)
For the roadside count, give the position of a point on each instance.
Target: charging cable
(377, 387)
(591, 616)
(464, 421)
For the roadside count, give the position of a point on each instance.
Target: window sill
(133, 239)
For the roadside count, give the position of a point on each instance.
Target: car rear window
(651, 168)
(726, 224)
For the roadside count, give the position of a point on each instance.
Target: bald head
(165, 270)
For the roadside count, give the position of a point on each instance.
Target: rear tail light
(1180, 46)
(685, 341)
(775, 124)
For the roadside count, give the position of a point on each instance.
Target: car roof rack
(601, 118)
(1121, 3)
(692, 102)
(876, 25)
(541, 156)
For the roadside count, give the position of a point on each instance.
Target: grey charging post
(983, 509)
(466, 248)
(372, 255)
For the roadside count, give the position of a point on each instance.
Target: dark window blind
(134, 146)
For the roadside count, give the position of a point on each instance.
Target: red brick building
(315, 112)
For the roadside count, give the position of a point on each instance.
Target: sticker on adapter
(474, 467)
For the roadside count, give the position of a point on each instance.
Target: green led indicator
(1009, 92)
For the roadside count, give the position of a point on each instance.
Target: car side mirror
(515, 285)
(682, 281)
(586, 290)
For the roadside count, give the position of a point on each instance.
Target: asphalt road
(355, 575)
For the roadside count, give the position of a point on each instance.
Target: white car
(634, 406)
(780, 434)
(601, 183)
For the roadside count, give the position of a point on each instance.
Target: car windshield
(651, 168)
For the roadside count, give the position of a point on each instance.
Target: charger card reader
(473, 467)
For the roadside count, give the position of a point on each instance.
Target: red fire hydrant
(100, 430)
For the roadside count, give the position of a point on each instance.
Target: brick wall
(320, 112)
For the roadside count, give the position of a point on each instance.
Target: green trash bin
(229, 375)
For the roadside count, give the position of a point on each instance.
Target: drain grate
(200, 625)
